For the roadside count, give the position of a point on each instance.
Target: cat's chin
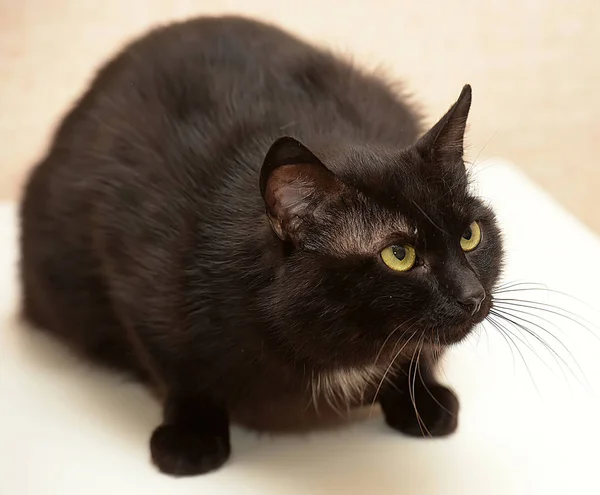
(457, 333)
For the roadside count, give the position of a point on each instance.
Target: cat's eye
(399, 257)
(471, 237)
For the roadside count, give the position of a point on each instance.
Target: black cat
(173, 231)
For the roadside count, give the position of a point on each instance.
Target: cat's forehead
(364, 230)
(367, 224)
(396, 197)
(394, 178)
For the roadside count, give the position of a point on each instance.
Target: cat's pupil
(399, 252)
(468, 234)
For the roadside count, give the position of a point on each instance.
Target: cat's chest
(348, 386)
(318, 399)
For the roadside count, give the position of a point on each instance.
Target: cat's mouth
(437, 337)
(483, 312)
(456, 333)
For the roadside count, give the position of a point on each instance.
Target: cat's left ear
(294, 184)
(444, 142)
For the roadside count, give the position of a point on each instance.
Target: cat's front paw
(434, 413)
(181, 451)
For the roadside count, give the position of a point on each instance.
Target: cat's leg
(415, 403)
(193, 438)
(143, 281)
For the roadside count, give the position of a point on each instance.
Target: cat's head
(381, 245)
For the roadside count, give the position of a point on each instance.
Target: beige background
(534, 66)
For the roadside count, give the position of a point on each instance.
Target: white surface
(67, 428)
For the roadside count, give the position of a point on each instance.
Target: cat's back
(212, 80)
(214, 67)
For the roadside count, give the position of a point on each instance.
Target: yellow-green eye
(399, 258)
(471, 237)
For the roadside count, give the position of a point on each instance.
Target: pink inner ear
(291, 188)
(287, 196)
(293, 196)
(294, 192)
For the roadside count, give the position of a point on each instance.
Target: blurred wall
(534, 66)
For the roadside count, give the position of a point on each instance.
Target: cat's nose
(471, 298)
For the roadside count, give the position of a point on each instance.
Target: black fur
(152, 241)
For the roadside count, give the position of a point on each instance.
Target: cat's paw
(180, 451)
(437, 409)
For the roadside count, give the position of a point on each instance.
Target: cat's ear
(293, 184)
(444, 142)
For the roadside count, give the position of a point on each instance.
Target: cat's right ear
(444, 142)
(293, 184)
